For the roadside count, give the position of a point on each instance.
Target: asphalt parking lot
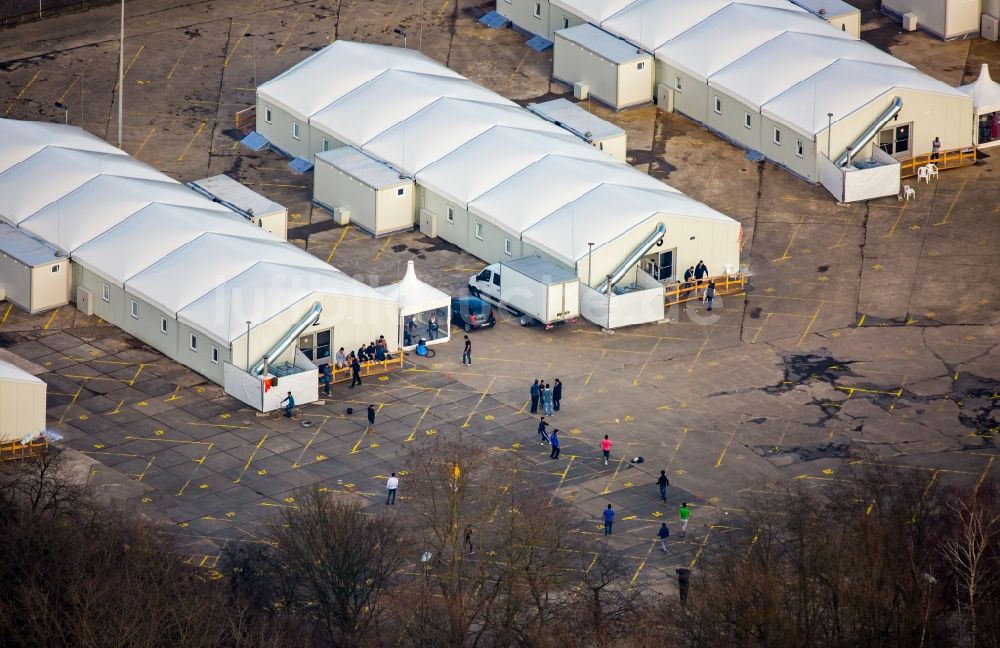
(868, 328)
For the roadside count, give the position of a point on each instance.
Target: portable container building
(32, 275)
(602, 66)
(256, 208)
(361, 190)
(599, 133)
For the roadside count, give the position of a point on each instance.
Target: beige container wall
(457, 232)
(147, 326)
(616, 147)
(354, 321)
(375, 211)
(50, 289)
(395, 212)
(692, 99)
(201, 360)
(522, 14)
(279, 131)
(931, 14)
(785, 153)
(490, 248)
(16, 280)
(559, 18)
(933, 115)
(316, 137)
(23, 407)
(732, 121)
(574, 64)
(850, 23)
(635, 83)
(110, 311)
(962, 17)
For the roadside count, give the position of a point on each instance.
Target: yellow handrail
(15, 450)
(724, 285)
(950, 159)
(372, 368)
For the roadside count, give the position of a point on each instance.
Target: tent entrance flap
(289, 337)
(632, 259)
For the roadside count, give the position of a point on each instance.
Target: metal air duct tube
(870, 132)
(633, 258)
(288, 338)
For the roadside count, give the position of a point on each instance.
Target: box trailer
(530, 288)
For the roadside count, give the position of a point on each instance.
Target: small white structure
(419, 305)
(259, 210)
(359, 189)
(605, 67)
(946, 19)
(836, 12)
(22, 403)
(32, 275)
(985, 93)
(601, 134)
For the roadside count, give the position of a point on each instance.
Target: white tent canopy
(22, 402)
(417, 301)
(985, 92)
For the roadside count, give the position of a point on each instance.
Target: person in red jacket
(606, 449)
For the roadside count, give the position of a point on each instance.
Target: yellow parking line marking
(250, 459)
(146, 469)
(680, 441)
(137, 372)
(6, 314)
(201, 127)
(75, 80)
(642, 367)
(291, 30)
(701, 548)
(131, 63)
(198, 464)
(76, 395)
(422, 415)
(239, 40)
(482, 397)
(143, 145)
(761, 328)
(607, 489)
(10, 106)
(729, 442)
(795, 232)
(954, 202)
(337, 244)
(52, 318)
(385, 244)
(809, 326)
(173, 67)
(982, 475)
(700, 350)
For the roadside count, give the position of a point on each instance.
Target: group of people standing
(696, 276)
(548, 395)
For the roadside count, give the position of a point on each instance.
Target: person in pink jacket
(606, 448)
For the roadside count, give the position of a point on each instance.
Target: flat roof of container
(364, 168)
(225, 189)
(540, 270)
(605, 45)
(577, 120)
(827, 8)
(25, 249)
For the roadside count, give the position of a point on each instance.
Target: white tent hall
(418, 303)
(985, 93)
(22, 403)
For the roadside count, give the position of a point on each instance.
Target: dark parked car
(472, 313)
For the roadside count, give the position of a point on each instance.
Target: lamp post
(65, 110)
(121, 72)
(400, 32)
(829, 135)
(590, 265)
(248, 346)
(609, 302)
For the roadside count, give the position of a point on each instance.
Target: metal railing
(731, 284)
(15, 451)
(372, 368)
(951, 159)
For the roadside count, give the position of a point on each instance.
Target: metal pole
(65, 110)
(609, 302)
(248, 345)
(121, 72)
(590, 266)
(829, 134)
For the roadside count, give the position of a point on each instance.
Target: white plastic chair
(908, 192)
(923, 174)
(932, 171)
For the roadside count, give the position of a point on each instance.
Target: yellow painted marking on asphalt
(337, 244)
(422, 415)
(10, 106)
(642, 367)
(385, 244)
(239, 40)
(152, 129)
(6, 314)
(173, 67)
(222, 426)
(76, 395)
(174, 395)
(149, 465)
(732, 436)
(76, 79)
(291, 31)
(851, 390)
(701, 548)
(982, 475)
(861, 321)
(700, 351)
(565, 472)
(198, 464)
(809, 326)
(482, 397)
(895, 224)
(52, 318)
(137, 372)
(760, 329)
(677, 447)
(607, 489)
(795, 232)
(250, 458)
(604, 353)
(117, 409)
(201, 127)
(131, 63)
(954, 202)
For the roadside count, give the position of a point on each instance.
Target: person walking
(684, 513)
(710, 294)
(371, 418)
(688, 281)
(543, 437)
(554, 440)
(535, 393)
(606, 444)
(390, 489)
(355, 371)
(547, 400)
(683, 583)
(609, 519)
(936, 148)
(556, 395)
(290, 400)
(467, 352)
(326, 378)
(468, 538)
(663, 534)
(663, 482)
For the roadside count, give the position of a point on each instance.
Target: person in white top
(340, 359)
(390, 486)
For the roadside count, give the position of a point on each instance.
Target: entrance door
(660, 265)
(895, 140)
(306, 345)
(323, 339)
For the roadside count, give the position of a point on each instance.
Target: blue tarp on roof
(539, 44)
(300, 166)
(254, 141)
(493, 20)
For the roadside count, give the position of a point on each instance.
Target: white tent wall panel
(147, 326)
(692, 98)
(457, 232)
(559, 18)
(316, 137)
(23, 405)
(200, 359)
(111, 311)
(785, 153)
(15, 277)
(943, 18)
(522, 14)
(279, 130)
(731, 119)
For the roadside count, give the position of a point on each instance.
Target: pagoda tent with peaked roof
(985, 93)
(419, 302)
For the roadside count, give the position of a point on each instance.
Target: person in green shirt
(684, 513)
